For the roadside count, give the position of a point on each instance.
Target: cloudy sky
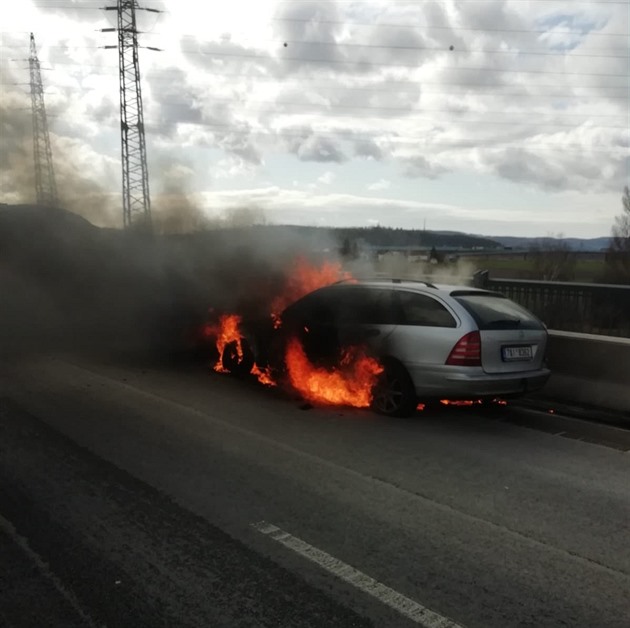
(498, 117)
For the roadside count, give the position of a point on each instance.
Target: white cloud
(381, 184)
(327, 178)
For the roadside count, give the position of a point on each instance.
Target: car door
(427, 332)
(365, 316)
(313, 322)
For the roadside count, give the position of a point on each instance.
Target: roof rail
(428, 284)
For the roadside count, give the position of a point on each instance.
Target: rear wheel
(394, 393)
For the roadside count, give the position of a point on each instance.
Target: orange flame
(263, 375)
(226, 331)
(460, 402)
(351, 384)
(304, 279)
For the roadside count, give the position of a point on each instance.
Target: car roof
(413, 285)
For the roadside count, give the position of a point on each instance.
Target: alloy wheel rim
(388, 395)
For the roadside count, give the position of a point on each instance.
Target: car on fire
(433, 341)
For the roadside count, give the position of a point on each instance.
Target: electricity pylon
(135, 175)
(45, 186)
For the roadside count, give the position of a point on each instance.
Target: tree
(618, 254)
(553, 260)
(349, 249)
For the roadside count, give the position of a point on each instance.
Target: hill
(576, 244)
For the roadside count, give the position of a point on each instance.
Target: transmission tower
(135, 176)
(45, 185)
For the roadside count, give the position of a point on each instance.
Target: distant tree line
(387, 237)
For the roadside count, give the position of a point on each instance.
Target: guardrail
(602, 309)
(589, 370)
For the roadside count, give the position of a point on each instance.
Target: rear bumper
(470, 382)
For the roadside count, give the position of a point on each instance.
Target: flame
(350, 384)
(263, 375)
(306, 278)
(460, 402)
(470, 402)
(227, 330)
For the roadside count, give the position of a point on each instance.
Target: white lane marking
(7, 527)
(421, 615)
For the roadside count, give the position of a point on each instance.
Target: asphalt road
(169, 496)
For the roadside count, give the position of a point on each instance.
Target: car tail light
(467, 351)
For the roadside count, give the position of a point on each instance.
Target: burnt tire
(230, 360)
(394, 393)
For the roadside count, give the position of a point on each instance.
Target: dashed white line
(411, 609)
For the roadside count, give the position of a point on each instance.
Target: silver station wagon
(434, 341)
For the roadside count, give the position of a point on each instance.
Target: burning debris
(461, 402)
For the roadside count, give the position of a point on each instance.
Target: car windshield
(492, 311)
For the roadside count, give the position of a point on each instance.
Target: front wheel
(238, 360)
(394, 393)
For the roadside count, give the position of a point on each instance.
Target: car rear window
(420, 309)
(493, 311)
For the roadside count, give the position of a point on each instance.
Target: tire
(394, 393)
(231, 362)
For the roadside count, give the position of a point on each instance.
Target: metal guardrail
(581, 307)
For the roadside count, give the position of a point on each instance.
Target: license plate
(516, 354)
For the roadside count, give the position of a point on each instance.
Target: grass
(586, 270)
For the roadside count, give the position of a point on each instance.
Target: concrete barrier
(589, 370)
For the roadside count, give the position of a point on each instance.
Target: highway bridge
(142, 494)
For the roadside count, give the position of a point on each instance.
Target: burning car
(390, 343)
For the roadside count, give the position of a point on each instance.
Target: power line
(391, 137)
(409, 109)
(334, 87)
(369, 63)
(386, 136)
(414, 115)
(561, 54)
(335, 83)
(445, 27)
(407, 25)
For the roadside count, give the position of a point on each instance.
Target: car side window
(421, 309)
(316, 308)
(366, 306)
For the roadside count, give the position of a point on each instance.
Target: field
(586, 270)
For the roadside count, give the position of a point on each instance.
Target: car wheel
(236, 365)
(394, 393)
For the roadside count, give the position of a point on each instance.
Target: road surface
(143, 495)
